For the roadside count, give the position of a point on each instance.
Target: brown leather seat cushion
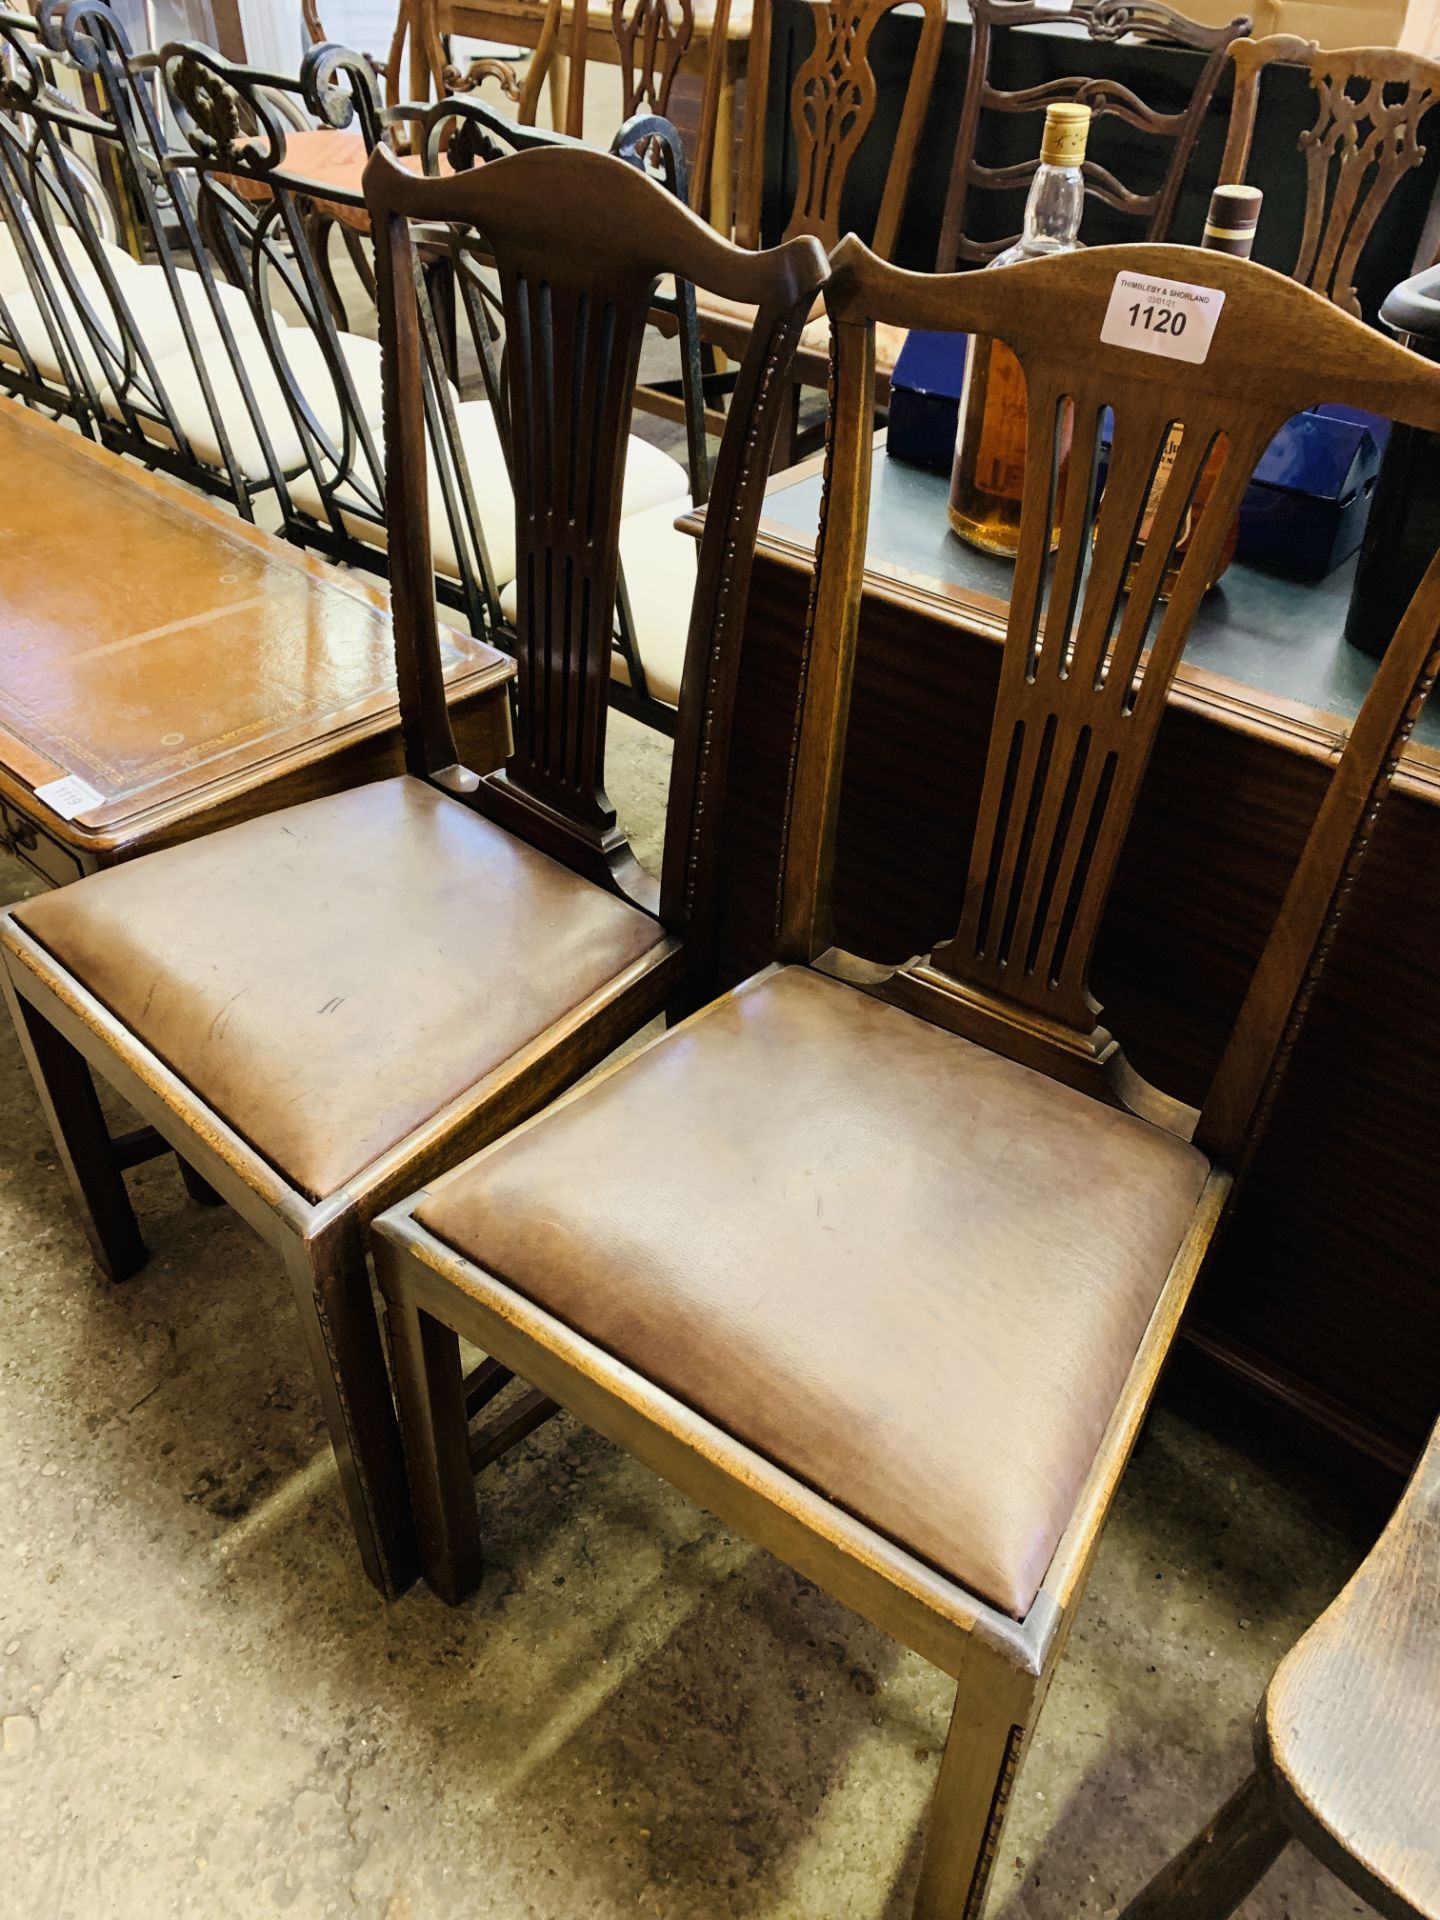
(911, 1273)
(328, 977)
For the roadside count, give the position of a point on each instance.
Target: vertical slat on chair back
(579, 241)
(38, 201)
(1369, 106)
(1104, 21)
(1087, 668)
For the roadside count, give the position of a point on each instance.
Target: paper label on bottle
(1000, 456)
(69, 796)
(1168, 317)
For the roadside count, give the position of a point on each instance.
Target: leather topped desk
(184, 666)
(1326, 1292)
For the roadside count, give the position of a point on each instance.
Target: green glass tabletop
(1276, 636)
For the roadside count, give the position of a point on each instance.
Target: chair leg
(1208, 1879)
(197, 1186)
(995, 1707)
(82, 1140)
(332, 1290)
(430, 1387)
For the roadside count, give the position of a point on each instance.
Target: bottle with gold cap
(1229, 228)
(989, 467)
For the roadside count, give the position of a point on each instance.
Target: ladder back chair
(1347, 1743)
(1370, 103)
(1173, 133)
(322, 1007)
(935, 1193)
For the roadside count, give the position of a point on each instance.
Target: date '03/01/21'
(1167, 317)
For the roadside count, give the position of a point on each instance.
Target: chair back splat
(579, 241)
(833, 101)
(1365, 137)
(1087, 668)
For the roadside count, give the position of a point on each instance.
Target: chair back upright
(414, 66)
(652, 38)
(1365, 137)
(1087, 666)
(1173, 133)
(833, 102)
(579, 241)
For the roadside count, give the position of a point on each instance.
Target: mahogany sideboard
(1326, 1291)
(185, 667)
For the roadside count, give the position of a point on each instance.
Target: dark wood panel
(1328, 1280)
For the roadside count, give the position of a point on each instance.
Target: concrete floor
(208, 1712)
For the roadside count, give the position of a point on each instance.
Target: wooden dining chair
(1171, 132)
(1370, 103)
(651, 39)
(324, 1006)
(415, 67)
(892, 1258)
(833, 103)
(1347, 1744)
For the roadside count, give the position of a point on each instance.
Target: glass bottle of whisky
(1229, 228)
(989, 471)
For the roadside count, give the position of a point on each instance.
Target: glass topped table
(1257, 631)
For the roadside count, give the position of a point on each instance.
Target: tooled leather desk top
(163, 650)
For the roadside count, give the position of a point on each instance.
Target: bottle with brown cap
(989, 470)
(1229, 228)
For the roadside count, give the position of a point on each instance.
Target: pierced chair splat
(1371, 104)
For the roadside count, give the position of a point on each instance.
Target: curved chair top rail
(1104, 22)
(1089, 660)
(1370, 102)
(1342, 357)
(597, 208)
(579, 240)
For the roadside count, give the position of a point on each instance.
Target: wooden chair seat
(826, 1204)
(331, 977)
(1347, 1744)
(1349, 1734)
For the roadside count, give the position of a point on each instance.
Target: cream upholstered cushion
(181, 382)
(659, 563)
(717, 315)
(152, 306)
(14, 279)
(651, 478)
(143, 310)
